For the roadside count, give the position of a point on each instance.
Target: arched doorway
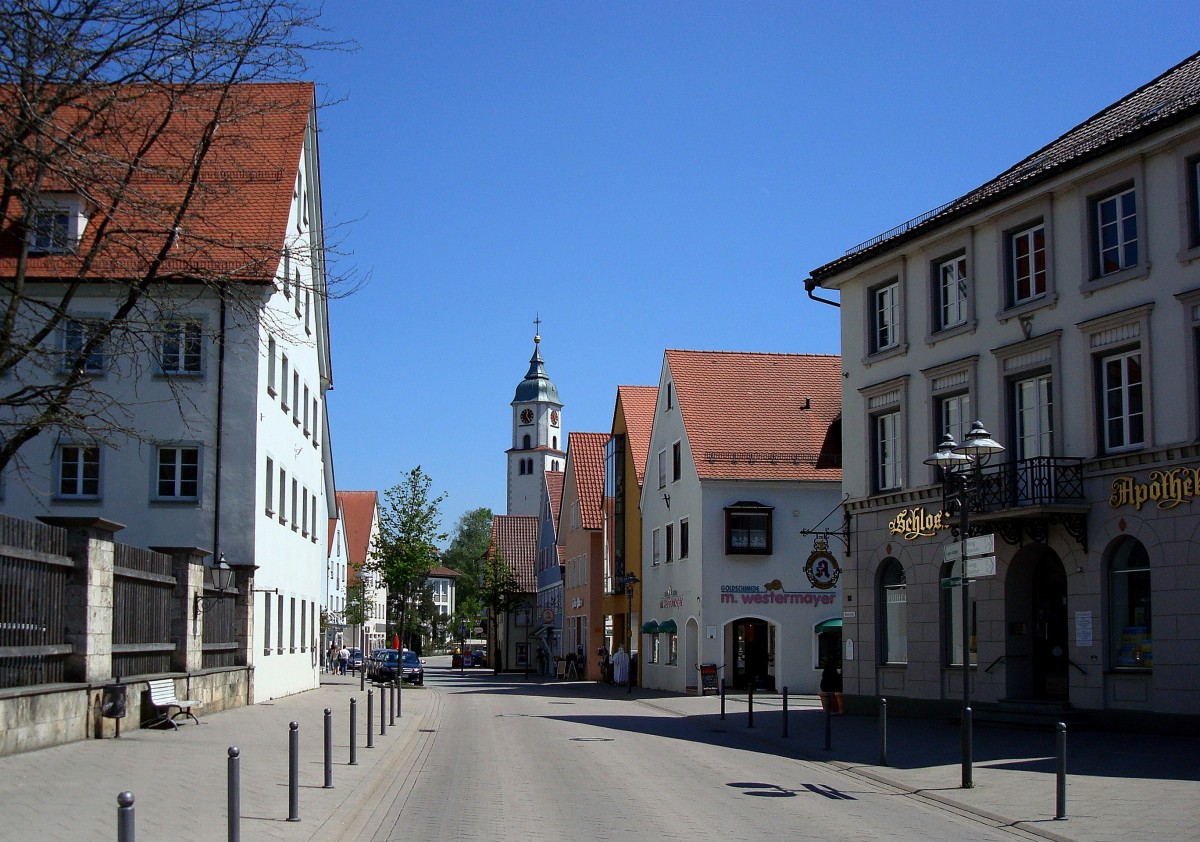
(1036, 650)
(691, 657)
(752, 654)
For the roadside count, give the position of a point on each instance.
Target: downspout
(810, 285)
(216, 540)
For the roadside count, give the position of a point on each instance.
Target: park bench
(162, 696)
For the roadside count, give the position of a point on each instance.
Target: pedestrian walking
(343, 657)
(621, 666)
(605, 664)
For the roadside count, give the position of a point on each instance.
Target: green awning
(667, 627)
(829, 625)
(650, 628)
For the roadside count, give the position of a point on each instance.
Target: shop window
(893, 613)
(1129, 606)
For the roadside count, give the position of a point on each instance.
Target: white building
(1031, 304)
(744, 455)
(223, 374)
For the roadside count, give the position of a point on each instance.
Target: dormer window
(56, 224)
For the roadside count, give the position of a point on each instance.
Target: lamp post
(961, 465)
(629, 580)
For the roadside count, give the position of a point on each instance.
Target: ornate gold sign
(1166, 489)
(917, 522)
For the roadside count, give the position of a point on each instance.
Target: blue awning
(650, 628)
(667, 627)
(829, 625)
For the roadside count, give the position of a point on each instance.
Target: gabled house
(581, 540)
(549, 604)
(203, 424)
(361, 511)
(744, 456)
(442, 583)
(514, 543)
(624, 470)
(1059, 305)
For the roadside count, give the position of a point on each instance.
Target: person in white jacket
(621, 666)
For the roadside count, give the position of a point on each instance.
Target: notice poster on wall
(1083, 628)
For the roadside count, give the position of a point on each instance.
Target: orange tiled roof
(237, 220)
(586, 451)
(358, 508)
(638, 404)
(760, 416)
(554, 489)
(516, 538)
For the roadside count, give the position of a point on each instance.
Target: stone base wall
(39, 717)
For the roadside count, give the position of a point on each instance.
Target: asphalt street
(479, 757)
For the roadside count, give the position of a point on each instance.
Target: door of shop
(750, 652)
(1049, 603)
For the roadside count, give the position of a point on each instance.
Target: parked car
(382, 664)
(355, 661)
(413, 669)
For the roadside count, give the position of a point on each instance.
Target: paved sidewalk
(1120, 786)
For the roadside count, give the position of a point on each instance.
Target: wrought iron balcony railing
(1024, 483)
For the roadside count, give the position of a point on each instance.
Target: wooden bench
(162, 696)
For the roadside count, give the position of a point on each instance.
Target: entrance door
(1049, 649)
(750, 653)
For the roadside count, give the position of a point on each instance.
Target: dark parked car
(382, 664)
(355, 661)
(413, 671)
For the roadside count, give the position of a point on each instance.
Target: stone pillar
(89, 614)
(187, 618)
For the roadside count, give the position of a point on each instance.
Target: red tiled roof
(443, 572)
(1154, 107)
(515, 537)
(586, 452)
(237, 220)
(358, 509)
(638, 402)
(554, 489)
(760, 416)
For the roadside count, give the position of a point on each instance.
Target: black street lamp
(628, 581)
(960, 464)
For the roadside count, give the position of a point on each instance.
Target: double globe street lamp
(962, 477)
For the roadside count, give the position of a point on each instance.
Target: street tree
(501, 593)
(405, 550)
(110, 112)
(465, 555)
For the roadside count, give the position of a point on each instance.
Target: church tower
(538, 440)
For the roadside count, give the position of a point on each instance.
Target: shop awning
(829, 625)
(650, 628)
(667, 627)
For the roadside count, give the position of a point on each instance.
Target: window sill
(897, 350)
(174, 501)
(76, 498)
(1188, 255)
(1133, 273)
(950, 332)
(179, 375)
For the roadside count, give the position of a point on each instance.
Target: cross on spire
(537, 325)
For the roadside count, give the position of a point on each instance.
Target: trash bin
(113, 702)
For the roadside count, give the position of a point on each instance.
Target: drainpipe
(810, 285)
(220, 425)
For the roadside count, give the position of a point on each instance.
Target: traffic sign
(985, 566)
(951, 581)
(977, 546)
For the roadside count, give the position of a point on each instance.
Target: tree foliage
(465, 555)
(405, 549)
(93, 96)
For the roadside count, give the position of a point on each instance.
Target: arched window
(521, 467)
(525, 442)
(555, 440)
(952, 619)
(893, 613)
(529, 466)
(554, 464)
(1129, 629)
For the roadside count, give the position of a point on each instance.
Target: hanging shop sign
(822, 568)
(918, 522)
(1166, 489)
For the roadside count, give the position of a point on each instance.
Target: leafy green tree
(501, 593)
(465, 555)
(405, 550)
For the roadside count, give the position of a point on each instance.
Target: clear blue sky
(649, 176)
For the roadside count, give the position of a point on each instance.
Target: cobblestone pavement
(475, 757)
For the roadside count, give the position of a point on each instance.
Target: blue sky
(648, 176)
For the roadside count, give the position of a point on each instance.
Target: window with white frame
(656, 547)
(283, 382)
(295, 504)
(893, 611)
(269, 487)
(179, 347)
(76, 334)
(676, 461)
(885, 316)
(684, 538)
(1115, 232)
(662, 469)
(267, 624)
(178, 473)
(313, 502)
(654, 645)
(1121, 406)
(670, 538)
(304, 511)
(954, 416)
(78, 471)
(271, 366)
(748, 527)
(316, 423)
(1026, 263)
(296, 398)
(56, 225)
(672, 650)
(307, 399)
(885, 450)
(282, 495)
(951, 292)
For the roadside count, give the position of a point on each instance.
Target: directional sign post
(984, 566)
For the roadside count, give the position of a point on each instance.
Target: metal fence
(221, 647)
(143, 586)
(33, 584)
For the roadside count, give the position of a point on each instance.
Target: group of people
(338, 659)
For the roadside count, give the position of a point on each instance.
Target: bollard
(1060, 811)
(233, 797)
(294, 772)
(882, 732)
(328, 749)
(750, 705)
(968, 750)
(125, 829)
(392, 706)
(399, 697)
(383, 706)
(353, 732)
(722, 698)
(829, 727)
(370, 719)
(362, 675)
(785, 712)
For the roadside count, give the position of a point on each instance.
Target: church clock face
(526, 416)
(554, 417)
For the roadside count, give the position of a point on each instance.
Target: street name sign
(985, 566)
(979, 545)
